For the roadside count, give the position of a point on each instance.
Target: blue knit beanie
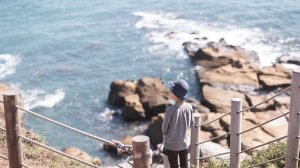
(179, 88)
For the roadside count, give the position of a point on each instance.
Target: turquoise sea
(63, 54)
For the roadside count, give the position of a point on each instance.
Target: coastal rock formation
(118, 90)
(78, 153)
(4, 88)
(255, 99)
(289, 59)
(153, 95)
(274, 77)
(143, 99)
(197, 106)
(230, 78)
(218, 100)
(211, 148)
(133, 109)
(154, 129)
(217, 54)
(225, 72)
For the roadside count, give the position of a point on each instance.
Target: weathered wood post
(294, 123)
(236, 127)
(13, 129)
(141, 151)
(195, 139)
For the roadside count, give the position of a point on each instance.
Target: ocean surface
(63, 54)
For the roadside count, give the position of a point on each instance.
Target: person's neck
(179, 102)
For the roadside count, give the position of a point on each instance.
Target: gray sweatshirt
(176, 124)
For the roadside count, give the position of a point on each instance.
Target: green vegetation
(35, 156)
(273, 151)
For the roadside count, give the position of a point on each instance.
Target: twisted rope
(120, 146)
(157, 151)
(3, 157)
(276, 95)
(212, 139)
(213, 120)
(24, 165)
(280, 158)
(57, 151)
(213, 155)
(2, 129)
(263, 123)
(278, 139)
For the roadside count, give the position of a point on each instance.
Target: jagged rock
(217, 133)
(259, 135)
(4, 88)
(218, 100)
(78, 153)
(229, 77)
(197, 107)
(191, 48)
(212, 126)
(118, 90)
(289, 59)
(133, 109)
(282, 101)
(211, 148)
(255, 99)
(154, 129)
(273, 127)
(205, 135)
(153, 95)
(274, 77)
(220, 54)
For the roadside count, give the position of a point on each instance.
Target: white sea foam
(40, 98)
(108, 114)
(168, 32)
(8, 64)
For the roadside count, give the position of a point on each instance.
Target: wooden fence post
(195, 139)
(141, 151)
(236, 127)
(13, 130)
(294, 123)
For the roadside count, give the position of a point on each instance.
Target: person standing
(177, 122)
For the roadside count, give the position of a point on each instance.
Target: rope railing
(157, 151)
(276, 95)
(260, 164)
(213, 139)
(2, 129)
(275, 140)
(26, 166)
(117, 144)
(220, 154)
(213, 120)
(58, 152)
(263, 123)
(3, 157)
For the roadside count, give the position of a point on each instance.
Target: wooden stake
(236, 128)
(13, 129)
(141, 151)
(195, 139)
(294, 124)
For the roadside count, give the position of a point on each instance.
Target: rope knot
(121, 147)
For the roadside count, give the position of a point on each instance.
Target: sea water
(63, 54)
